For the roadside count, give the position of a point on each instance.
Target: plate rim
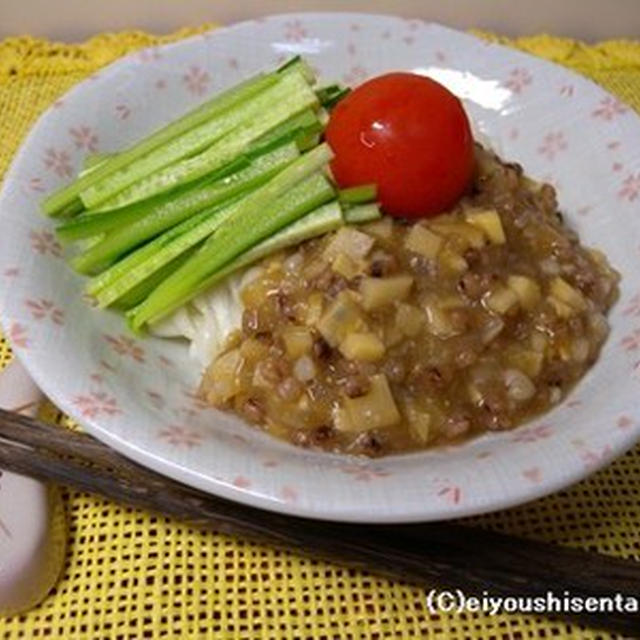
(228, 491)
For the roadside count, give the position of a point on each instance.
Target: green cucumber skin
(90, 223)
(170, 247)
(236, 236)
(133, 197)
(138, 293)
(362, 213)
(244, 208)
(361, 194)
(224, 151)
(174, 211)
(66, 199)
(165, 167)
(307, 120)
(324, 219)
(124, 267)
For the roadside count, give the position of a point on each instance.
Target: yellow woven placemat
(130, 574)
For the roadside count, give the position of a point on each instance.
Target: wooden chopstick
(443, 555)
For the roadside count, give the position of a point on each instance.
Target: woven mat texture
(130, 574)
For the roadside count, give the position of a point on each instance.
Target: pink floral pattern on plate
(181, 436)
(609, 108)
(144, 402)
(519, 79)
(45, 243)
(295, 31)
(58, 161)
(45, 309)
(126, 346)
(630, 189)
(96, 404)
(84, 138)
(196, 80)
(552, 144)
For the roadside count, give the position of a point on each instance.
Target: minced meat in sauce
(396, 336)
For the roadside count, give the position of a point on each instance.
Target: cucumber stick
(322, 220)
(362, 213)
(225, 245)
(206, 192)
(67, 197)
(175, 210)
(124, 267)
(166, 248)
(278, 203)
(358, 195)
(90, 223)
(136, 295)
(236, 143)
(195, 140)
(302, 123)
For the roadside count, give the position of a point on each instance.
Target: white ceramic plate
(137, 395)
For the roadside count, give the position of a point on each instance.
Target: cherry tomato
(409, 135)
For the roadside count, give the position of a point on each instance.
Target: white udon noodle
(208, 319)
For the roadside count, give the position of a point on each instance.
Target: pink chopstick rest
(32, 523)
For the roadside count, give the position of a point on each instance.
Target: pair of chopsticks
(442, 555)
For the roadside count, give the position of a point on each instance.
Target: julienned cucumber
(362, 213)
(250, 224)
(358, 195)
(91, 223)
(322, 220)
(174, 210)
(183, 283)
(246, 208)
(138, 293)
(209, 194)
(168, 246)
(288, 87)
(66, 196)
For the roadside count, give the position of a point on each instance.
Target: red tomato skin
(409, 135)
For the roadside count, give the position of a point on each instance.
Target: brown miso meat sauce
(396, 336)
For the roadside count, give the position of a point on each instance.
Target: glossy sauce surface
(399, 335)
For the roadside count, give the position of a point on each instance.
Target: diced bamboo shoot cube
(375, 409)
(341, 318)
(382, 228)
(378, 292)
(562, 309)
(345, 266)
(452, 262)
(365, 347)
(470, 235)
(489, 222)
(563, 291)
(438, 323)
(222, 377)
(409, 319)
(297, 341)
(527, 290)
(254, 350)
(528, 361)
(501, 300)
(349, 241)
(421, 240)
(314, 309)
(420, 424)
(342, 421)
